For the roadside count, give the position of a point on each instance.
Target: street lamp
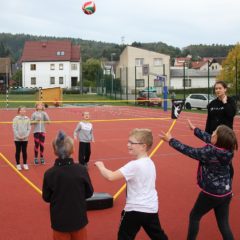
(112, 54)
(209, 63)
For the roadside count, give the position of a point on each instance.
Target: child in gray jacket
(21, 131)
(84, 133)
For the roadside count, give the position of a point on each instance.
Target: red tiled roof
(50, 51)
(75, 53)
(180, 61)
(198, 64)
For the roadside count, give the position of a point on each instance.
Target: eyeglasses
(133, 143)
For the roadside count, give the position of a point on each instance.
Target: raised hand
(224, 99)
(191, 126)
(165, 136)
(99, 164)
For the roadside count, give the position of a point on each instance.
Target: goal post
(50, 96)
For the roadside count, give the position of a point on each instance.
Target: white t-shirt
(140, 175)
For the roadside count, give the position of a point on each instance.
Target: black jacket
(66, 186)
(219, 113)
(213, 174)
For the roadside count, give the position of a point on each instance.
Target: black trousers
(231, 171)
(21, 146)
(131, 222)
(203, 205)
(84, 152)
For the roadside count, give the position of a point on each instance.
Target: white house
(130, 69)
(194, 78)
(49, 64)
(214, 64)
(108, 68)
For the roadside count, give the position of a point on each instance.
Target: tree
(4, 52)
(17, 77)
(231, 69)
(91, 70)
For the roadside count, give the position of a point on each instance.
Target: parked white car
(197, 100)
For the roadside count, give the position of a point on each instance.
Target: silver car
(197, 100)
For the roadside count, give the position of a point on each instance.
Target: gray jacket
(38, 119)
(84, 132)
(21, 128)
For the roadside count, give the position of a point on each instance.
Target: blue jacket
(213, 175)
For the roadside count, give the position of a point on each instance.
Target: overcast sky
(175, 22)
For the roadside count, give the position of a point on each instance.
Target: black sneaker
(42, 160)
(35, 161)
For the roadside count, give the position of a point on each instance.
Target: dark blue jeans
(203, 205)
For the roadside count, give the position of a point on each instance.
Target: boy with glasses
(141, 209)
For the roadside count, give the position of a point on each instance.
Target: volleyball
(89, 7)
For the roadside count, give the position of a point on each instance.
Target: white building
(49, 64)
(130, 69)
(193, 78)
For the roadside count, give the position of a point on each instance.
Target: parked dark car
(154, 100)
(75, 90)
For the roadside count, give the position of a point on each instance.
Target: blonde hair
(83, 113)
(39, 103)
(63, 145)
(143, 135)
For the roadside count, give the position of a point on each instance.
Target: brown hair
(63, 145)
(221, 83)
(226, 138)
(19, 108)
(143, 135)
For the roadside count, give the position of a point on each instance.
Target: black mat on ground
(99, 200)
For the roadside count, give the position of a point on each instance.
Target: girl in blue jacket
(213, 176)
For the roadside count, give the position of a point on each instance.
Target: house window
(33, 67)
(73, 66)
(52, 66)
(140, 83)
(60, 53)
(33, 81)
(157, 62)
(52, 80)
(188, 82)
(60, 66)
(60, 80)
(139, 61)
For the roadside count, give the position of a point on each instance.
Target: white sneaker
(19, 168)
(25, 167)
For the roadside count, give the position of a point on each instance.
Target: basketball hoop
(145, 69)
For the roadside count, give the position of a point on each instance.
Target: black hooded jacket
(220, 113)
(66, 186)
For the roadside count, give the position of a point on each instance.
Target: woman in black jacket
(213, 176)
(66, 185)
(221, 111)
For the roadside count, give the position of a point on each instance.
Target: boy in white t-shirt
(141, 209)
(84, 133)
